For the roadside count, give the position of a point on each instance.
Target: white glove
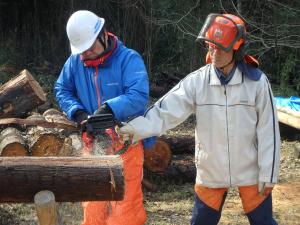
(127, 129)
(127, 133)
(262, 187)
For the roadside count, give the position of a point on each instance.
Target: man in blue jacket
(103, 76)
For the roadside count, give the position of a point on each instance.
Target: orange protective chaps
(128, 211)
(214, 197)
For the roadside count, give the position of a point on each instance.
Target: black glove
(102, 119)
(80, 115)
(104, 109)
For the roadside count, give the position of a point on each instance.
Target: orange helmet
(223, 30)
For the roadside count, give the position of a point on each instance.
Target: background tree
(33, 35)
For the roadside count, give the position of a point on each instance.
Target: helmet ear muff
(242, 51)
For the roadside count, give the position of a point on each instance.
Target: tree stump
(20, 95)
(12, 143)
(46, 208)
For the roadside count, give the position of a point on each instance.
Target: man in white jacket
(237, 135)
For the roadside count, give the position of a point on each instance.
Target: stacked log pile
(35, 140)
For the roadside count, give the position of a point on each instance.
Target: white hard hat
(83, 28)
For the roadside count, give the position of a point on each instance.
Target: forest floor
(172, 204)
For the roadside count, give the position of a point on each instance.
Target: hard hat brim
(87, 45)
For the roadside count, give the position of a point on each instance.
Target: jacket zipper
(225, 93)
(96, 73)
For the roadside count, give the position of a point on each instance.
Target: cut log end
(158, 158)
(12, 143)
(47, 145)
(14, 149)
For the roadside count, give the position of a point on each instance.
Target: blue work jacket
(121, 82)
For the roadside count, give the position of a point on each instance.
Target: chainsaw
(100, 135)
(96, 124)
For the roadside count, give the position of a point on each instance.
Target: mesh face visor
(220, 31)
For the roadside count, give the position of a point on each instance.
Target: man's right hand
(81, 117)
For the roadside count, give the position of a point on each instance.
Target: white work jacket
(237, 134)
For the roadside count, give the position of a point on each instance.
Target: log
(57, 117)
(43, 141)
(12, 143)
(182, 169)
(46, 208)
(20, 95)
(158, 158)
(180, 144)
(38, 122)
(149, 185)
(289, 118)
(71, 179)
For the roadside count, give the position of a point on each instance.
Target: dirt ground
(172, 204)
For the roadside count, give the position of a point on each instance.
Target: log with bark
(12, 143)
(181, 169)
(20, 95)
(51, 118)
(71, 179)
(180, 144)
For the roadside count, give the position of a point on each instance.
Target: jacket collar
(106, 56)
(214, 79)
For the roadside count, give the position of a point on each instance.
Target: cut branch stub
(12, 143)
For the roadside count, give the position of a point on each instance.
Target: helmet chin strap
(102, 40)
